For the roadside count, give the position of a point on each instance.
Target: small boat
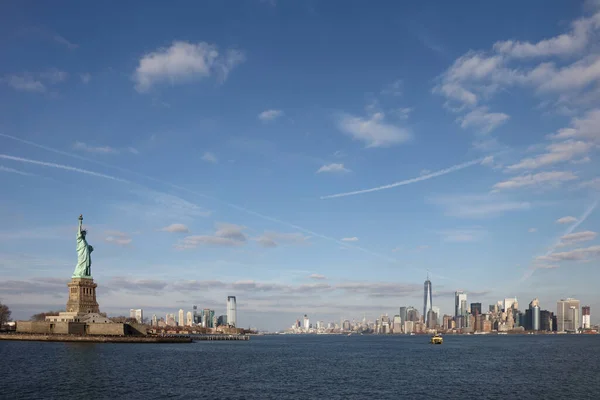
(436, 339)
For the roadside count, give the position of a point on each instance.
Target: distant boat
(436, 339)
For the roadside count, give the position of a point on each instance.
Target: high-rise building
(567, 315)
(197, 317)
(427, 299)
(546, 318)
(534, 314)
(476, 308)
(437, 312)
(137, 314)
(510, 303)
(412, 314)
(586, 322)
(231, 311)
(403, 314)
(306, 323)
(431, 319)
(397, 326)
(189, 320)
(154, 320)
(222, 320)
(181, 319)
(460, 303)
(207, 318)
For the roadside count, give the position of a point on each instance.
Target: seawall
(95, 339)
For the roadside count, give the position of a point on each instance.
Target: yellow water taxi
(436, 339)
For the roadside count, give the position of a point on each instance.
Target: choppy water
(308, 367)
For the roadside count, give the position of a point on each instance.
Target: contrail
(231, 205)
(408, 181)
(61, 166)
(569, 230)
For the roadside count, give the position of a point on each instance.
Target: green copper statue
(84, 252)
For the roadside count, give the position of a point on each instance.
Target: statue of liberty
(84, 252)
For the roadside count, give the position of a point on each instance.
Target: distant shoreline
(94, 339)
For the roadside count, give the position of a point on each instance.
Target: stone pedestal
(82, 296)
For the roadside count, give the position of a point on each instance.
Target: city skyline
(305, 157)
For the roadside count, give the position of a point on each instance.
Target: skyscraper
(460, 303)
(181, 320)
(427, 300)
(403, 314)
(567, 315)
(476, 308)
(534, 314)
(231, 311)
(154, 320)
(586, 322)
(137, 314)
(189, 320)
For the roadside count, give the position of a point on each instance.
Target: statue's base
(82, 296)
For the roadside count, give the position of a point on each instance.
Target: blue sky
(221, 148)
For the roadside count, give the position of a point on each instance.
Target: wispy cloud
(577, 237)
(483, 121)
(478, 206)
(184, 62)
(350, 239)
(176, 228)
(94, 149)
(435, 174)
(225, 235)
(394, 88)
(35, 82)
(317, 276)
(61, 40)
(566, 220)
(273, 239)
(333, 168)
(374, 131)
(462, 235)
(118, 238)
(210, 157)
(541, 180)
(61, 166)
(85, 77)
(532, 230)
(270, 115)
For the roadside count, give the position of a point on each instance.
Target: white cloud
(85, 77)
(118, 238)
(184, 62)
(580, 254)
(61, 40)
(229, 235)
(556, 153)
(482, 120)
(539, 180)
(317, 276)
(532, 230)
(403, 112)
(333, 168)
(566, 220)
(577, 237)
(25, 83)
(95, 149)
(565, 44)
(270, 115)
(585, 127)
(14, 171)
(591, 184)
(176, 228)
(210, 157)
(350, 239)
(374, 131)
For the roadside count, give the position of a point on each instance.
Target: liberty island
(82, 320)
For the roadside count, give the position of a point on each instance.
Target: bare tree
(42, 316)
(4, 314)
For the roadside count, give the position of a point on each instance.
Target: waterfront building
(476, 308)
(232, 311)
(437, 312)
(567, 315)
(447, 322)
(137, 314)
(546, 321)
(460, 303)
(409, 326)
(431, 320)
(534, 315)
(154, 320)
(397, 325)
(222, 320)
(306, 323)
(189, 319)
(170, 320)
(412, 314)
(586, 322)
(510, 303)
(181, 319)
(197, 317)
(427, 299)
(403, 314)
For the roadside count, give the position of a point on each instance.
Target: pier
(220, 337)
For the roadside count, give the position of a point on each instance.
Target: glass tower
(231, 311)
(427, 300)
